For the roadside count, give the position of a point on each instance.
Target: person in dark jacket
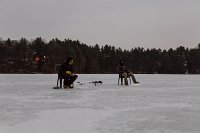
(123, 71)
(67, 73)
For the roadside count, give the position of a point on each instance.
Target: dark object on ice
(60, 77)
(67, 73)
(80, 83)
(57, 69)
(125, 73)
(56, 87)
(96, 82)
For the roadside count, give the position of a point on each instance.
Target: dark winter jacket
(122, 69)
(66, 67)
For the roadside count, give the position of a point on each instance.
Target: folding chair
(121, 77)
(57, 69)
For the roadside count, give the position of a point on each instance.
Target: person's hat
(69, 59)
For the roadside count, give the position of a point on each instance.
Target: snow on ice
(160, 104)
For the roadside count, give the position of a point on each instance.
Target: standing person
(123, 70)
(67, 73)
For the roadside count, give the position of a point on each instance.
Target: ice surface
(160, 104)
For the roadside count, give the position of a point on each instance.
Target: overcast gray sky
(122, 23)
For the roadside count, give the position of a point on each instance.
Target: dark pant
(68, 80)
(130, 74)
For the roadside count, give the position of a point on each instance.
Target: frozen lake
(160, 104)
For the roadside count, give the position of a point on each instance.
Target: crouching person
(68, 73)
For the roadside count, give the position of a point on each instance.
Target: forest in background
(40, 56)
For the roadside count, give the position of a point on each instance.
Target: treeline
(19, 56)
